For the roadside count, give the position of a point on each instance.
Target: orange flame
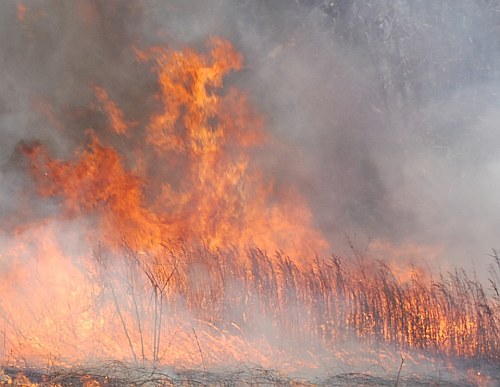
(205, 184)
(21, 12)
(200, 229)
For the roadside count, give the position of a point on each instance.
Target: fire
(21, 12)
(187, 190)
(175, 248)
(192, 178)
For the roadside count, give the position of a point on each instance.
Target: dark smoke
(386, 110)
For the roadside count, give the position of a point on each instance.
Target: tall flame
(192, 178)
(172, 242)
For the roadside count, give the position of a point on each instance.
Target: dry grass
(334, 300)
(331, 303)
(121, 375)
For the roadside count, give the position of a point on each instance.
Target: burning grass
(186, 269)
(205, 310)
(335, 300)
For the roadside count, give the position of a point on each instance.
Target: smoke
(383, 113)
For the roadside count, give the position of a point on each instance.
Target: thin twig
(123, 324)
(399, 372)
(201, 352)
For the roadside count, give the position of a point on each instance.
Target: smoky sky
(384, 113)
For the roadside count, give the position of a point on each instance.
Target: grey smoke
(386, 111)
